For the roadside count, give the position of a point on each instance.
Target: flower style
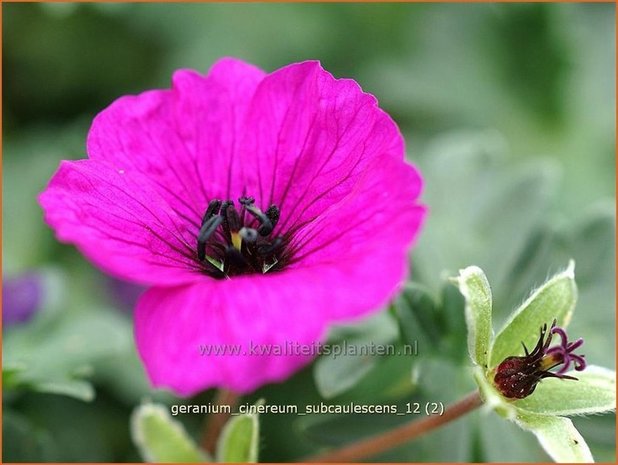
(259, 208)
(522, 388)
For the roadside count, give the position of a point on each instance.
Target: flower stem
(379, 443)
(215, 421)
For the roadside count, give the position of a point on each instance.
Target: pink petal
(184, 139)
(309, 137)
(376, 222)
(120, 221)
(172, 323)
(282, 309)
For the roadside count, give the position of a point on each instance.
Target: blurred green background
(509, 111)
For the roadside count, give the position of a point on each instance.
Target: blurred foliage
(509, 111)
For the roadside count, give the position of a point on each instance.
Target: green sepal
(553, 300)
(239, 439)
(557, 436)
(162, 439)
(473, 285)
(593, 392)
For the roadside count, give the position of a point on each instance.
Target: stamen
(240, 246)
(232, 217)
(268, 249)
(273, 214)
(213, 209)
(207, 229)
(266, 226)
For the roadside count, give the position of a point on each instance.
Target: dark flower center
(235, 241)
(517, 377)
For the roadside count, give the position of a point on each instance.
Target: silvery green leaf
(334, 376)
(239, 440)
(162, 439)
(494, 207)
(474, 287)
(594, 392)
(553, 300)
(336, 373)
(79, 389)
(557, 436)
(54, 355)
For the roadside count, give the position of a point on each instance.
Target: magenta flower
(259, 208)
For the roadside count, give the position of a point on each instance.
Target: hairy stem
(215, 421)
(379, 443)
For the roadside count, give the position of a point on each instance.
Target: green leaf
(239, 440)
(474, 287)
(334, 376)
(24, 441)
(53, 355)
(557, 436)
(335, 373)
(553, 300)
(79, 389)
(491, 202)
(162, 439)
(594, 392)
(419, 313)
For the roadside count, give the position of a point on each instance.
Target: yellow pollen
(236, 240)
(549, 361)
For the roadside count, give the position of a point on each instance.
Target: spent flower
(536, 389)
(517, 376)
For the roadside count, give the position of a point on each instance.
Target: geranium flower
(259, 207)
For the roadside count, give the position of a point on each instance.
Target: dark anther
(232, 217)
(213, 209)
(207, 229)
(266, 226)
(224, 206)
(273, 214)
